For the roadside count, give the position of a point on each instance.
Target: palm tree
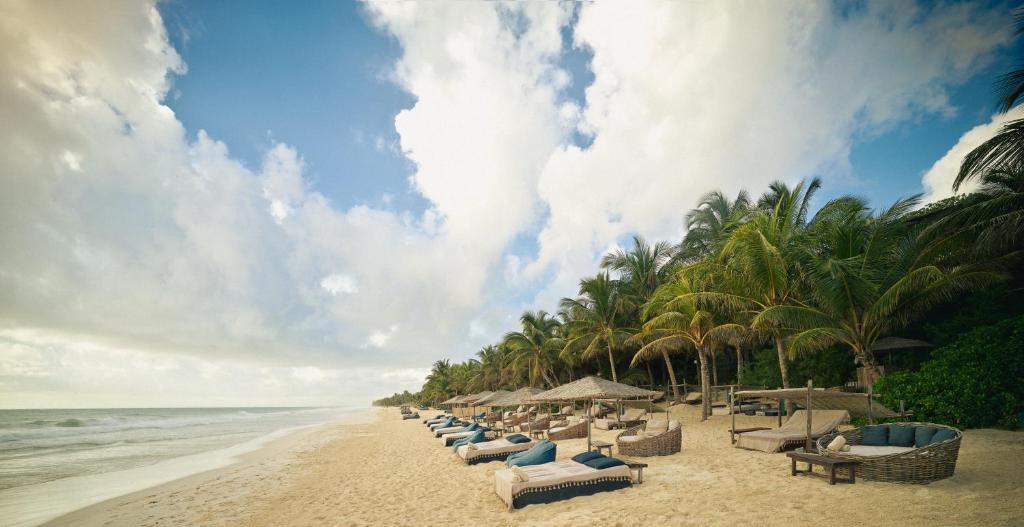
(711, 222)
(757, 266)
(1010, 86)
(536, 344)
(489, 376)
(865, 279)
(643, 268)
(676, 323)
(1005, 150)
(594, 325)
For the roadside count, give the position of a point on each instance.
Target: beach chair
(572, 428)
(494, 450)
(793, 431)
(583, 475)
(631, 417)
(658, 438)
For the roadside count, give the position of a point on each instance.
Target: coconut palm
(675, 323)
(711, 222)
(594, 327)
(865, 279)
(536, 344)
(757, 266)
(643, 268)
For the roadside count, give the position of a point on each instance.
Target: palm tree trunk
(782, 360)
(650, 374)
(671, 375)
(739, 365)
(611, 362)
(705, 388)
(867, 359)
(544, 374)
(714, 368)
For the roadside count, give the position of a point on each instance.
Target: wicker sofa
(918, 464)
(541, 422)
(571, 429)
(635, 441)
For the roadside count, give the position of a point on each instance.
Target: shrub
(974, 382)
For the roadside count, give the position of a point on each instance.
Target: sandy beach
(393, 472)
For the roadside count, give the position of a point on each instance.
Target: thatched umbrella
(590, 388)
(518, 397)
(488, 401)
(472, 399)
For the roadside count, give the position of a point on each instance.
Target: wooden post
(810, 388)
(732, 410)
(871, 419)
(782, 402)
(589, 423)
(903, 412)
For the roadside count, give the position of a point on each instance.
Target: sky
(266, 203)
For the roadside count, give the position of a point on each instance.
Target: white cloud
(689, 97)
(938, 180)
(147, 260)
(337, 284)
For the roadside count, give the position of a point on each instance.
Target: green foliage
(397, 399)
(827, 368)
(973, 383)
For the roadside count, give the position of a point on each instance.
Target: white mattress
(871, 451)
(548, 474)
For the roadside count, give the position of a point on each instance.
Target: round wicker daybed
(635, 442)
(918, 465)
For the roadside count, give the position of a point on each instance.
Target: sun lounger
(631, 417)
(572, 428)
(560, 480)
(448, 439)
(793, 431)
(496, 450)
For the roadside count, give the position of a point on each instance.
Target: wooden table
(828, 463)
(537, 434)
(638, 467)
(599, 445)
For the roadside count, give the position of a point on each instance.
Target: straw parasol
(490, 399)
(590, 388)
(518, 397)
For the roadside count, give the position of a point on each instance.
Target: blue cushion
(542, 452)
(586, 456)
(471, 427)
(901, 435)
(475, 437)
(923, 435)
(604, 462)
(875, 436)
(517, 438)
(943, 434)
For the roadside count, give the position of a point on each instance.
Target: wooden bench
(827, 463)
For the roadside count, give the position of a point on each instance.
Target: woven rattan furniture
(541, 423)
(919, 466)
(570, 431)
(633, 442)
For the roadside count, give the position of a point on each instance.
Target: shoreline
(34, 509)
(393, 472)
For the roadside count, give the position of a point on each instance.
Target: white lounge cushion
(871, 451)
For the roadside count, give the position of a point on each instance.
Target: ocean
(55, 461)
